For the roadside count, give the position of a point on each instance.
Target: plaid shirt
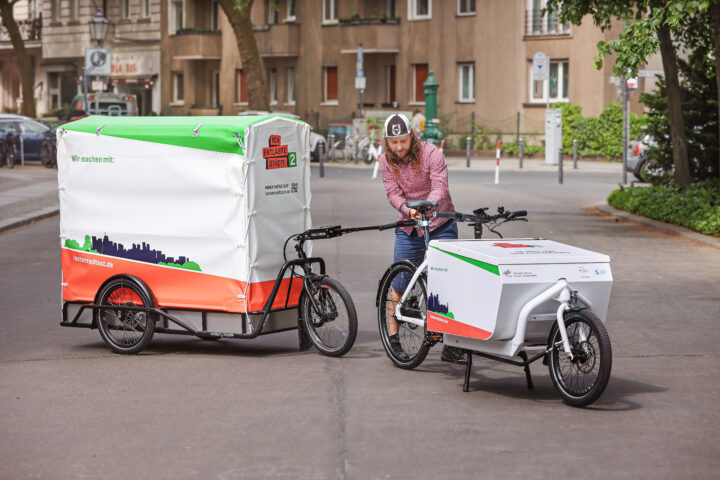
(429, 183)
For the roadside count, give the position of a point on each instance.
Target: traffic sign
(97, 61)
(540, 66)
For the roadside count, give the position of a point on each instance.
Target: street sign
(359, 72)
(97, 86)
(360, 83)
(632, 83)
(540, 66)
(97, 61)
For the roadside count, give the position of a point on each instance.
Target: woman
(414, 170)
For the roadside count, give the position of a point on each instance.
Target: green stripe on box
(217, 134)
(485, 266)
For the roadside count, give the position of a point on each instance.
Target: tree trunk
(24, 62)
(675, 114)
(715, 10)
(238, 13)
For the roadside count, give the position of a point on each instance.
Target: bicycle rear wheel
(411, 336)
(125, 331)
(582, 379)
(332, 328)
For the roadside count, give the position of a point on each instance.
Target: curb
(15, 222)
(668, 228)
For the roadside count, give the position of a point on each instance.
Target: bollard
(560, 166)
(322, 154)
(331, 148)
(468, 147)
(575, 154)
(520, 151)
(497, 163)
(22, 152)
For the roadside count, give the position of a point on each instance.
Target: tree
(238, 13)
(23, 59)
(650, 27)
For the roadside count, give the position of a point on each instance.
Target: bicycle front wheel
(413, 345)
(331, 322)
(582, 379)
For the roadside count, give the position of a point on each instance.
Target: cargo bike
(515, 301)
(177, 224)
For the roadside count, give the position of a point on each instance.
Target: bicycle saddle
(421, 205)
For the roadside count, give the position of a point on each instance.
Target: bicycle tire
(582, 380)
(412, 337)
(46, 155)
(125, 331)
(333, 332)
(10, 155)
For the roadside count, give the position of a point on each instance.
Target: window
(290, 16)
(466, 7)
(272, 85)
(177, 17)
(272, 12)
(125, 9)
(466, 87)
(146, 8)
(330, 11)
(420, 74)
(390, 8)
(291, 86)
(215, 89)
(241, 95)
(557, 87)
(419, 9)
(74, 10)
(330, 85)
(214, 16)
(538, 24)
(390, 82)
(178, 88)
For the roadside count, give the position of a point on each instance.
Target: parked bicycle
(531, 307)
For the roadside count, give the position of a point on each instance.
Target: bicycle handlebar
(479, 216)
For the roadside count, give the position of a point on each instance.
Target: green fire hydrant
(432, 133)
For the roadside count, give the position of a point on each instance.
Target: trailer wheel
(582, 379)
(124, 330)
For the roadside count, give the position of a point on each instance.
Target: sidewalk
(27, 194)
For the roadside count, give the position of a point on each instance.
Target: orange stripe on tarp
(172, 287)
(442, 324)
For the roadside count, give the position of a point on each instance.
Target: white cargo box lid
(516, 251)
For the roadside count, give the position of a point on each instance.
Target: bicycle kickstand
(466, 385)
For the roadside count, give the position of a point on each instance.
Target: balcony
(376, 35)
(278, 40)
(192, 44)
(30, 32)
(547, 25)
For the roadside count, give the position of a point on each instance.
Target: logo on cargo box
(276, 154)
(514, 245)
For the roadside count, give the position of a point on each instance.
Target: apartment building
(479, 50)
(28, 17)
(134, 40)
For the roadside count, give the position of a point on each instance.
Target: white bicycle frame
(561, 291)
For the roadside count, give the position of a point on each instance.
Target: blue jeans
(412, 247)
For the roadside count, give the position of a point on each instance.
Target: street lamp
(99, 27)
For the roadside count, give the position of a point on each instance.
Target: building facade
(28, 16)
(480, 51)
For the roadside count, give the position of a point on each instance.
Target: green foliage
(696, 206)
(186, 265)
(70, 243)
(699, 96)
(601, 136)
(88, 243)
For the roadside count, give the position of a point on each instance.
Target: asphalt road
(231, 409)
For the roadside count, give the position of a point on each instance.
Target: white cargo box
(476, 288)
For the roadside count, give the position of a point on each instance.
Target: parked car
(637, 161)
(103, 103)
(315, 138)
(27, 137)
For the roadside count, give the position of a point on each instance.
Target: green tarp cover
(218, 134)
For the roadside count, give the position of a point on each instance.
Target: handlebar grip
(445, 214)
(519, 213)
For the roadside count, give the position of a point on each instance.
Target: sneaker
(453, 355)
(397, 349)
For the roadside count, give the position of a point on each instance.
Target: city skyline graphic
(141, 252)
(436, 306)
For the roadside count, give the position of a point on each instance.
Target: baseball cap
(397, 125)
